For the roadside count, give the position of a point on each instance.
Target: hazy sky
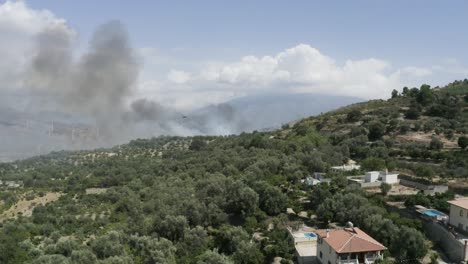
(193, 53)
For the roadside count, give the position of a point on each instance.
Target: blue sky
(400, 31)
(196, 52)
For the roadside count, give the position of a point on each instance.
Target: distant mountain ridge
(270, 111)
(27, 134)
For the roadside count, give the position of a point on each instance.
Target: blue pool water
(432, 213)
(310, 235)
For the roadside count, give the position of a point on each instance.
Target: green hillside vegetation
(201, 199)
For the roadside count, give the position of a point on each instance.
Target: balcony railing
(369, 260)
(348, 261)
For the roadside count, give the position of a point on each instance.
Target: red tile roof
(350, 240)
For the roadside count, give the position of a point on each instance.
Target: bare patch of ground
(421, 137)
(96, 190)
(397, 189)
(458, 183)
(26, 207)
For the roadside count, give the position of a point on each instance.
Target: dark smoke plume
(83, 100)
(96, 84)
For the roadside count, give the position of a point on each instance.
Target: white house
(383, 176)
(389, 177)
(349, 245)
(374, 179)
(372, 176)
(459, 213)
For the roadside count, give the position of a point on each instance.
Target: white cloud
(298, 69)
(16, 17)
(307, 70)
(178, 77)
(18, 26)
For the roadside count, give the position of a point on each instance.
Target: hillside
(270, 111)
(224, 199)
(417, 131)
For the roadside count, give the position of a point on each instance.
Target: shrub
(354, 115)
(376, 130)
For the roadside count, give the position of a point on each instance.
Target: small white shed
(390, 178)
(372, 176)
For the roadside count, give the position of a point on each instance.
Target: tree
(436, 144)
(404, 128)
(319, 194)
(247, 253)
(424, 171)
(213, 257)
(410, 245)
(413, 113)
(392, 125)
(10, 235)
(373, 164)
(413, 92)
(117, 260)
(376, 130)
(405, 91)
(385, 188)
(241, 199)
(171, 227)
(52, 259)
(195, 242)
(153, 250)
(394, 93)
(83, 257)
(228, 238)
(425, 95)
(449, 133)
(108, 245)
(301, 129)
(354, 115)
(463, 142)
(429, 126)
(197, 144)
(272, 200)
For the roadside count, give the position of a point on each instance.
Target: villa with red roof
(348, 245)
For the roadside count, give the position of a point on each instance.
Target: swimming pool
(433, 213)
(310, 235)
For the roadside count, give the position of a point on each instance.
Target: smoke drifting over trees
(93, 89)
(96, 84)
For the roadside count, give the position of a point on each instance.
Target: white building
(383, 176)
(345, 246)
(389, 177)
(459, 213)
(372, 176)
